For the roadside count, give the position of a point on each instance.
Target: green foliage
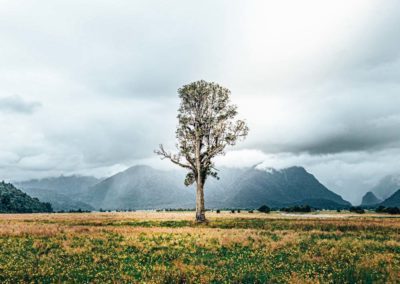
(206, 125)
(12, 200)
(190, 179)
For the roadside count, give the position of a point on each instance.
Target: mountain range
(143, 187)
(386, 186)
(384, 193)
(371, 201)
(393, 200)
(64, 192)
(278, 188)
(140, 187)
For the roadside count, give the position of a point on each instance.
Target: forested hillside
(13, 200)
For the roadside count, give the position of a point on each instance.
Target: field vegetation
(169, 247)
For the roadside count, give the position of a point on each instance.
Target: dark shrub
(251, 211)
(390, 210)
(218, 211)
(380, 209)
(238, 211)
(357, 210)
(264, 209)
(393, 210)
(301, 208)
(232, 211)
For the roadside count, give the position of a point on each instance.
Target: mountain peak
(268, 170)
(393, 200)
(370, 199)
(273, 170)
(387, 186)
(297, 168)
(139, 169)
(292, 185)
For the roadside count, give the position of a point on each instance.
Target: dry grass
(167, 247)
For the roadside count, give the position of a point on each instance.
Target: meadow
(169, 247)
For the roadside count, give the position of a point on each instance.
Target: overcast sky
(89, 87)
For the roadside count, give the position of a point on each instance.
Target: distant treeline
(389, 210)
(262, 209)
(380, 209)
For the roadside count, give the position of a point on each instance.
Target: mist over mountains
(143, 187)
(393, 200)
(75, 85)
(387, 186)
(64, 192)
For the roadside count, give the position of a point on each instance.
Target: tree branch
(173, 158)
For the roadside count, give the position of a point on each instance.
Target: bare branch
(173, 158)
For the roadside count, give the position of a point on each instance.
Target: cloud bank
(318, 83)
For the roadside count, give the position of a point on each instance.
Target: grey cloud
(108, 80)
(18, 105)
(128, 49)
(359, 119)
(347, 142)
(372, 55)
(359, 135)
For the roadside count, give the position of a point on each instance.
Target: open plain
(169, 247)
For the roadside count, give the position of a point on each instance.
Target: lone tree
(206, 126)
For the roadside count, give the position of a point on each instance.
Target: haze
(89, 87)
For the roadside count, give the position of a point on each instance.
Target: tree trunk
(200, 210)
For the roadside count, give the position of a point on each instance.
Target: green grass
(226, 250)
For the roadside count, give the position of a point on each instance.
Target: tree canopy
(206, 126)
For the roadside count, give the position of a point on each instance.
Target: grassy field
(170, 248)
